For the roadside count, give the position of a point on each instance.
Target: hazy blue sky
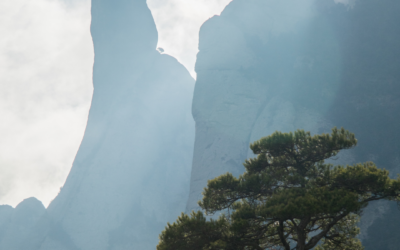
(46, 58)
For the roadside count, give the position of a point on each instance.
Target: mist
(118, 112)
(46, 60)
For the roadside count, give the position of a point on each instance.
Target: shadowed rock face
(287, 65)
(263, 65)
(131, 174)
(16, 224)
(254, 67)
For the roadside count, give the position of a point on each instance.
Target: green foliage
(345, 232)
(288, 198)
(195, 232)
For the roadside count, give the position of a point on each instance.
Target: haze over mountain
(285, 65)
(46, 57)
(131, 173)
(263, 65)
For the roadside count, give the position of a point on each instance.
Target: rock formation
(263, 65)
(16, 224)
(131, 174)
(309, 64)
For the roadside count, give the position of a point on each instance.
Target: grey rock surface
(263, 65)
(132, 171)
(267, 65)
(249, 65)
(17, 223)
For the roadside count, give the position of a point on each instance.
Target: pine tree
(288, 198)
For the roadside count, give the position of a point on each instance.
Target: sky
(46, 60)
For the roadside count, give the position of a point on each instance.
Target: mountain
(284, 65)
(16, 224)
(131, 173)
(263, 65)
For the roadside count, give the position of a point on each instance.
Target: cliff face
(263, 65)
(287, 65)
(131, 174)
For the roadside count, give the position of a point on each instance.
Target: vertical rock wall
(309, 64)
(263, 65)
(131, 173)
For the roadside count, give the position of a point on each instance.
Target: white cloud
(46, 59)
(178, 23)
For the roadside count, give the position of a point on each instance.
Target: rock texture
(263, 65)
(131, 174)
(309, 64)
